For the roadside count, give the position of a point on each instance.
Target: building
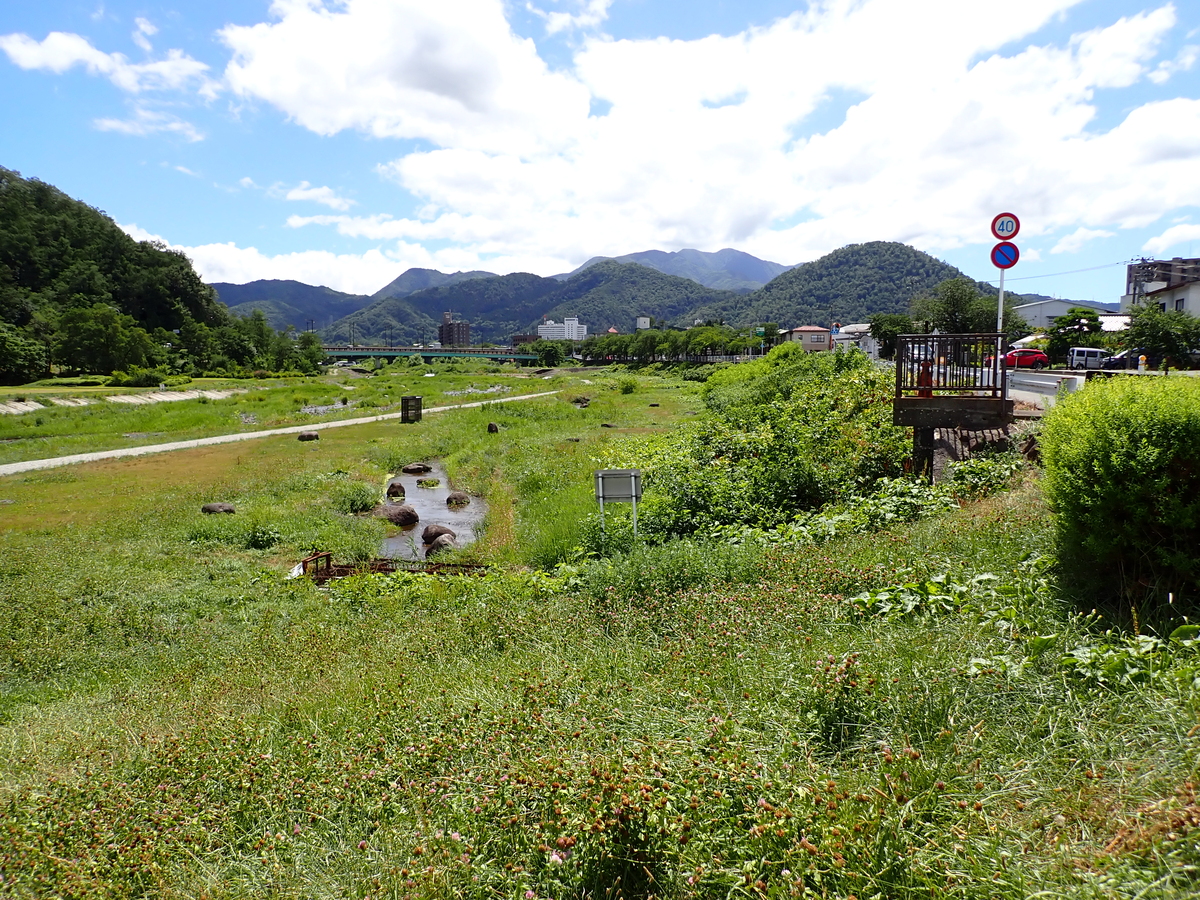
(811, 337)
(1040, 314)
(1169, 283)
(454, 334)
(858, 335)
(518, 339)
(643, 323)
(568, 330)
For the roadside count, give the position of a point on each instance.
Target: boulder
(440, 544)
(433, 532)
(395, 489)
(309, 436)
(458, 498)
(398, 514)
(213, 508)
(493, 428)
(654, 404)
(607, 425)
(416, 469)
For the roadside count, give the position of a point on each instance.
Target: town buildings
(568, 330)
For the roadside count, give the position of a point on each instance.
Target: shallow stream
(430, 504)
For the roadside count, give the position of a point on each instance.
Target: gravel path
(35, 464)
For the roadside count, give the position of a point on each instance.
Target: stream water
(430, 504)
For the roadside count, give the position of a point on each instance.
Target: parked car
(1024, 358)
(1128, 359)
(1087, 357)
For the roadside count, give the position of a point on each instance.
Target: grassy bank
(885, 715)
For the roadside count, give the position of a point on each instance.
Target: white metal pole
(635, 518)
(1000, 305)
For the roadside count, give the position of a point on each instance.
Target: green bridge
(500, 354)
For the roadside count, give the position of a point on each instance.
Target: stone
(441, 544)
(398, 514)
(416, 469)
(606, 425)
(654, 404)
(433, 532)
(309, 436)
(395, 489)
(458, 498)
(214, 508)
(493, 428)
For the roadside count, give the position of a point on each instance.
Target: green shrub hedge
(1122, 464)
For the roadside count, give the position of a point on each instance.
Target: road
(33, 465)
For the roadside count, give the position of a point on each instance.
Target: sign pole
(1000, 305)
(634, 518)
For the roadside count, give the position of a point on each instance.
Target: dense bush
(353, 497)
(139, 377)
(789, 433)
(1123, 472)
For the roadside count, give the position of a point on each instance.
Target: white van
(1086, 357)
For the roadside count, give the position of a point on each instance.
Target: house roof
(810, 328)
(1086, 304)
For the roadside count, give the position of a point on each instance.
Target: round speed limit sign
(1005, 227)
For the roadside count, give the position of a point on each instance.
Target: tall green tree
(1077, 327)
(22, 359)
(957, 306)
(100, 340)
(1171, 334)
(886, 327)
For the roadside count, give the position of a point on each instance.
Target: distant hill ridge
(848, 285)
(728, 269)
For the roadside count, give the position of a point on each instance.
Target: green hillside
(413, 280)
(77, 294)
(727, 270)
(606, 294)
(612, 294)
(847, 285)
(290, 303)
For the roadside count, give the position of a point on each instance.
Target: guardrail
(1046, 384)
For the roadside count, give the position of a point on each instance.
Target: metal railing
(929, 365)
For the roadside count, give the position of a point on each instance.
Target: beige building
(1168, 283)
(811, 337)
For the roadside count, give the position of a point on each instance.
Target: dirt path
(35, 464)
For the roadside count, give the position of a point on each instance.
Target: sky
(341, 142)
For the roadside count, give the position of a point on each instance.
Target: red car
(1022, 358)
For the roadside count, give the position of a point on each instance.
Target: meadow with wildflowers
(871, 691)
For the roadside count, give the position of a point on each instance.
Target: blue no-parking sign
(1005, 255)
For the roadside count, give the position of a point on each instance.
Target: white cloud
(186, 171)
(358, 273)
(591, 14)
(247, 182)
(147, 121)
(323, 195)
(1183, 62)
(1072, 242)
(820, 129)
(144, 31)
(61, 51)
(1172, 237)
(453, 73)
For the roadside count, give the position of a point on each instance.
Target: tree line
(78, 295)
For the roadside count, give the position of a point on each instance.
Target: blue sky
(340, 143)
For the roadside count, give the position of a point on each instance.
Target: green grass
(683, 721)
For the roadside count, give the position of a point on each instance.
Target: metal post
(1000, 306)
(602, 531)
(635, 518)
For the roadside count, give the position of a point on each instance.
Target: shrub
(139, 377)
(1123, 473)
(627, 385)
(353, 497)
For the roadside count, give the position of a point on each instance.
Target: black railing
(929, 365)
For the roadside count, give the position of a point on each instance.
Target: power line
(1072, 272)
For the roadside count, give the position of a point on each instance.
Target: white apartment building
(568, 330)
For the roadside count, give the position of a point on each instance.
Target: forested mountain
(604, 295)
(77, 292)
(290, 303)
(728, 269)
(414, 280)
(847, 285)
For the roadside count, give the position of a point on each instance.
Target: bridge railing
(928, 365)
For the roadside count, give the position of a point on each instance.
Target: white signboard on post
(619, 486)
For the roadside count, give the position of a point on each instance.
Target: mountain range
(848, 285)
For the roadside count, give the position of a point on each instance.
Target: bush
(627, 385)
(139, 377)
(353, 497)
(1122, 462)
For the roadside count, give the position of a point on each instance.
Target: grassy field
(912, 713)
(257, 406)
